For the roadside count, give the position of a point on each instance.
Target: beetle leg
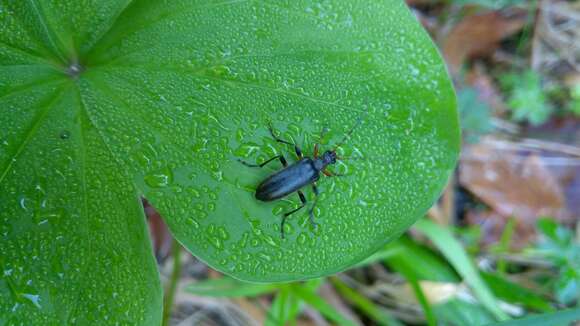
(296, 148)
(311, 212)
(303, 200)
(316, 150)
(331, 174)
(281, 157)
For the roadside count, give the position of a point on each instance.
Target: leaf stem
(172, 285)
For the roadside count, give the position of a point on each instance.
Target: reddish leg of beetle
(331, 174)
(315, 150)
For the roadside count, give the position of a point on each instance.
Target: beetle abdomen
(287, 180)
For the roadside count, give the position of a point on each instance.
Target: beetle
(291, 178)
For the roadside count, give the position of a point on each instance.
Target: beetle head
(329, 157)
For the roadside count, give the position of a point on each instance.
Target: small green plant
(527, 98)
(559, 246)
(574, 104)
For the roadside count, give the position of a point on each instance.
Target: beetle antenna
(347, 136)
(350, 158)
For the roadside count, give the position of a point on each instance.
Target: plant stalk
(172, 285)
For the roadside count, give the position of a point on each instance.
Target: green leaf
(574, 103)
(285, 308)
(560, 318)
(423, 263)
(228, 287)
(457, 257)
(410, 275)
(458, 312)
(104, 102)
(514, 293)
(504, 244)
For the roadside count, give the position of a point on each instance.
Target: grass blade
(458, 258)
(376, 313)
(564, 318)
(312, 299)
(229, 287)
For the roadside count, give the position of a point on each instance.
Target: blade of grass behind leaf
(284, 309)
(376, 313)
(229, 287)
(425, 264)
(457, 257)
(563, 318)
(411, 277)
(514, 293)
(504, 244)
(311, 298)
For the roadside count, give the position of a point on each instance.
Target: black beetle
(296, 176)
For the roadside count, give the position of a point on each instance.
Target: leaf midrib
(48, 32)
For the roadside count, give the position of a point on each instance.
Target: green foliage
(366, 306)
(559, 246)
(560, 318)
(309, 296)
(457, 312)
(504, 244)
(284, 309)
(514, 293)
(105, 102)
(527, 100)
(574, 104)
(475, 115)
(411, 276)
(229, 287)
(288, 303)
(419, 260)
(457, 257)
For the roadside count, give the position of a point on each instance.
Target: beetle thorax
(329, 157)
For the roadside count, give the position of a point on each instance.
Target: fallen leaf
(479, 35)
(511, 183)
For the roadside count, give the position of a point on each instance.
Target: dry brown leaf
(513, 185)
(159, 232)
(479, 35)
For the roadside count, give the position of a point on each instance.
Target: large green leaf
(106, 101)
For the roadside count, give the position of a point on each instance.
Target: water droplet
(159, 179)
(222, 233)
(265, 256)
(191, 221)
(246, 150)
(34, 298)
(216, 242)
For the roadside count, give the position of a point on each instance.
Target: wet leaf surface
(108, 101)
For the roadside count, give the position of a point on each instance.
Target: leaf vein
(38, 119)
